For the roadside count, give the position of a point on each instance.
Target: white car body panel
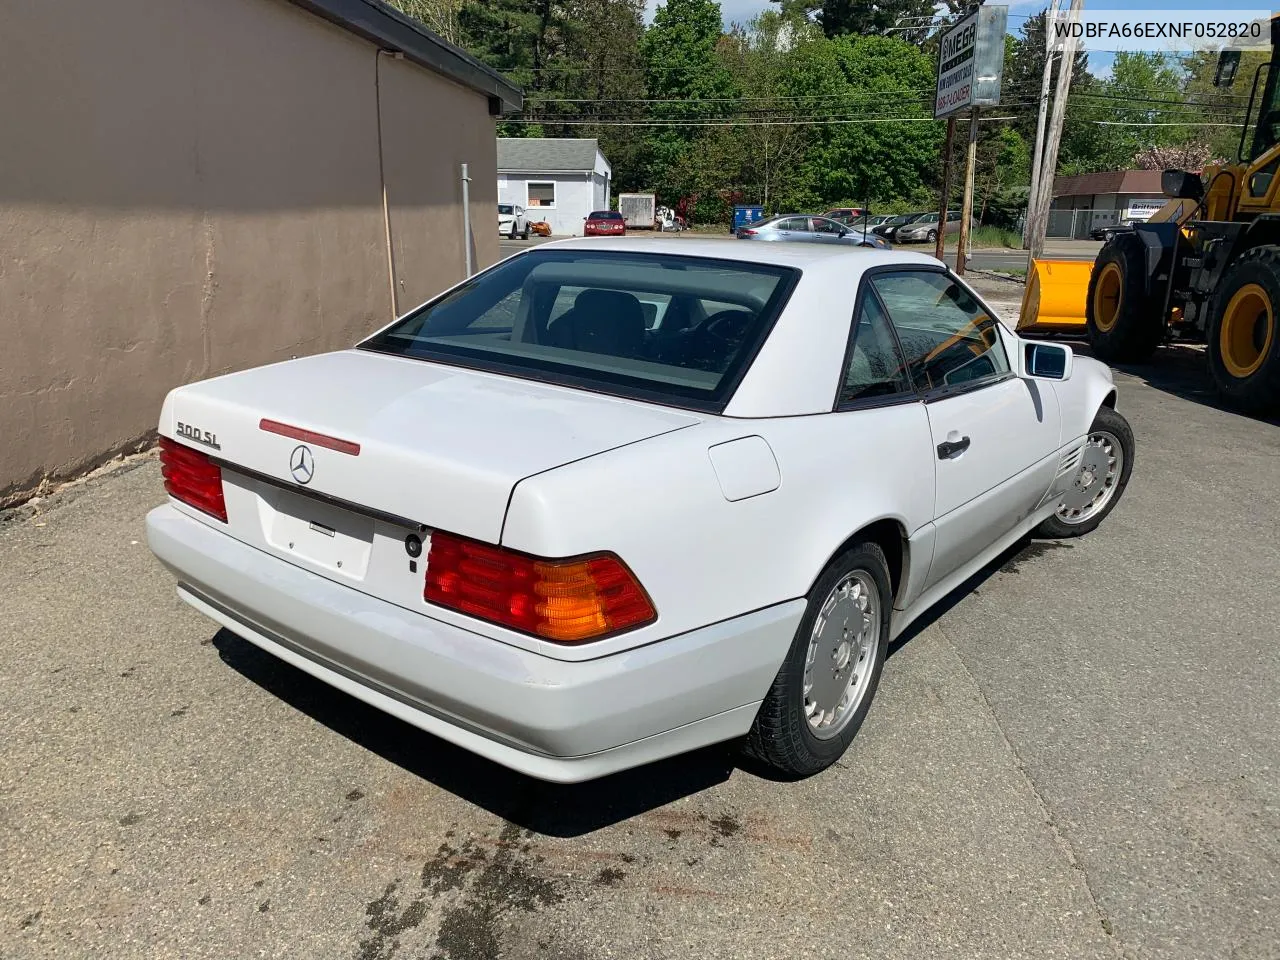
(439, 445)
(725, 519)
(1013, 430)
(757, 551)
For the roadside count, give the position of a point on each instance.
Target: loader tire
(1243, 340)
(1124, 323)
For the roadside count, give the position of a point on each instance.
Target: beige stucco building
(190, 187)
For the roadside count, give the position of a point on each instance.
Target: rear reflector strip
(310, 436)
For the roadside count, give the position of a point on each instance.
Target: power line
(735, 123)
(1179, 123)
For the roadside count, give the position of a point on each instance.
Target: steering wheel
(727, 326)
(712, 341)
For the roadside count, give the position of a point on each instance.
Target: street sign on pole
(970, 67)
(971, 62)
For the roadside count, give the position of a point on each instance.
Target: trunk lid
(439, 446)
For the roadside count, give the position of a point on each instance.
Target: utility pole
(966, 207)
(1038, 223)
(946, 187)
(1038, 158)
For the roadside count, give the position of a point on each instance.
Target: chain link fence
(1077, 224)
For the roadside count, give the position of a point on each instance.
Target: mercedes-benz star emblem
(302, 463)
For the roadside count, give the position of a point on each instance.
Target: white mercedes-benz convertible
(612, 500)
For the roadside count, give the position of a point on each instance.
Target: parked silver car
(925, 228)
(799, 227)
(889, 228)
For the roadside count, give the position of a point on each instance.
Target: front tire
(1243, 342)
(932, 237)
(822, 694)
(1123, 323)
(513, 231)
(1099, 481)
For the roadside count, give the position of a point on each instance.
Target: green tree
(685, 74)
(1223, 104)
(603, 80)
(1132, 109)
(910, 19)
(438, 16)
(762, 162)
(882, 142)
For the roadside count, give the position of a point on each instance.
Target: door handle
(950, 449)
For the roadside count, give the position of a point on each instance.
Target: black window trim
(777, 305)
(911, 394)
(946, 392)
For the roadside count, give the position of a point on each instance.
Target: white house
(559, 181)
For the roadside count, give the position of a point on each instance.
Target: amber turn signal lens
(567, 601)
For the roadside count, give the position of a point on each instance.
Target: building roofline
(548, 170)
(392, 30)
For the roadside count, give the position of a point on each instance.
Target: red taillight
(748, 233)
(193, 478)
(568, 601)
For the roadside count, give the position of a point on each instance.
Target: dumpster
(745, 214)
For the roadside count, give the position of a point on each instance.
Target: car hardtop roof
(798, 255)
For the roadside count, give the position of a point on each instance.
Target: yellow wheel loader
(1205, 267)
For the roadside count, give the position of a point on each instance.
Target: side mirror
(1045, 361)
(1181, 185)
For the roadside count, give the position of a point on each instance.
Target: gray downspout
(466, 215)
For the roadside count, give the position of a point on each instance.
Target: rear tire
(800, 731)
(932, 237)
(525, 235)
(1243, 340)
(1110, 440)
(1124, 325)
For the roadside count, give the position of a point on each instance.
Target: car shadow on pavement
(558, 810)
(1179, 369)
(1027, 549)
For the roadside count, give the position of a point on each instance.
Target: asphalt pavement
(1078, 757)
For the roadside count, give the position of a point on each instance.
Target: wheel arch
(1264, 231)
(890, 535)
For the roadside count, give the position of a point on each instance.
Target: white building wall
(575, 198)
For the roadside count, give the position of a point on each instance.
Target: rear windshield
(505, 208)
(672, 329)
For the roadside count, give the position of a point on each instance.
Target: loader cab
(1259, 150)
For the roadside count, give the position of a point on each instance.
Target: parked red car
(604, 223)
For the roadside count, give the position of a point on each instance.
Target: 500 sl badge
(196, 435)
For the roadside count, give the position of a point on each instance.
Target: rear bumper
(552, 719)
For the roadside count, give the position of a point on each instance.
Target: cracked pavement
(1078, 757)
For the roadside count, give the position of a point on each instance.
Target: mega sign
(971, 62)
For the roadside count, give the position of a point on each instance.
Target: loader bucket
(1055, 297)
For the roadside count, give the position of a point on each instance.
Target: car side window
(795, 224)
(875, 364)
(822, 225)
(948, 339)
